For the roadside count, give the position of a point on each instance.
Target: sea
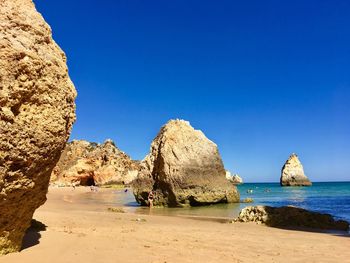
(325, 197)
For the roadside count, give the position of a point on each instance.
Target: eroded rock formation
(234, 178)
(37, 111)
(290, 216)
(85, 163)
(183, 168)
(293, 173)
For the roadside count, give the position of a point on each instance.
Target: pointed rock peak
(177, 128)
(176, 124)
(293, 155)
(293, 158)
(110, 146)
(109, 142)
(293, 173)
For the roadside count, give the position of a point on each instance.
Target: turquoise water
(331, 197)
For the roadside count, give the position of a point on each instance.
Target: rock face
(85, 163)
(293, 173)
(183, 168)
(37, 111)
(235, 179)
(289, 216)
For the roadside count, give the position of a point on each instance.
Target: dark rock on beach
(290, 216)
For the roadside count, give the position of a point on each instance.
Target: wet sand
(82, 232)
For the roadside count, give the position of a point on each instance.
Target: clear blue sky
(262, 79)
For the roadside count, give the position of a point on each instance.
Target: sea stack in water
(234, 178)
(37, 111)
(183, 168)
(293, 173)
(85, 163)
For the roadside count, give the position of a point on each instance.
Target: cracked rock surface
(293, 173)
(86, 163)
(183, 168)
(37, 110)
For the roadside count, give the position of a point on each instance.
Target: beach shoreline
(76, 233)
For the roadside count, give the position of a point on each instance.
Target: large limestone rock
(293, 173)
(290, 216)
(183, 168)
(85, 163)
(36, 114)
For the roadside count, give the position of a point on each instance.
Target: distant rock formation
(183, 168)
(293, 173)
(37, 111)
(235, 178)
(290, 216)
(85, 163)
(247, 200)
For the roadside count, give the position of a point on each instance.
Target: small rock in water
(248, 200)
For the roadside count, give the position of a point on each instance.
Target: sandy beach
(77, 233)
(174, 131)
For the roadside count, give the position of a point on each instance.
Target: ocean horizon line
(297, 186)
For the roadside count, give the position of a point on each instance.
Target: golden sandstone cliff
(37, 111)
(85, 163)
(183, 168)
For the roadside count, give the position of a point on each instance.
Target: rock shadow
(32, 235)
(338, 233)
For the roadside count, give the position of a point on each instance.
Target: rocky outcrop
(247, 200)
(290, 216)
(85, 163)
(183, 168)
(37, 111)
(293, 173)
(235, 178)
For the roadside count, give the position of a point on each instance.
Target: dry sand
(76, 233)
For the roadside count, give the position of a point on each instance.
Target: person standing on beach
(150, 199)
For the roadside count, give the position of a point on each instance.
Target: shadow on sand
(339, 233)
(32, 236)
